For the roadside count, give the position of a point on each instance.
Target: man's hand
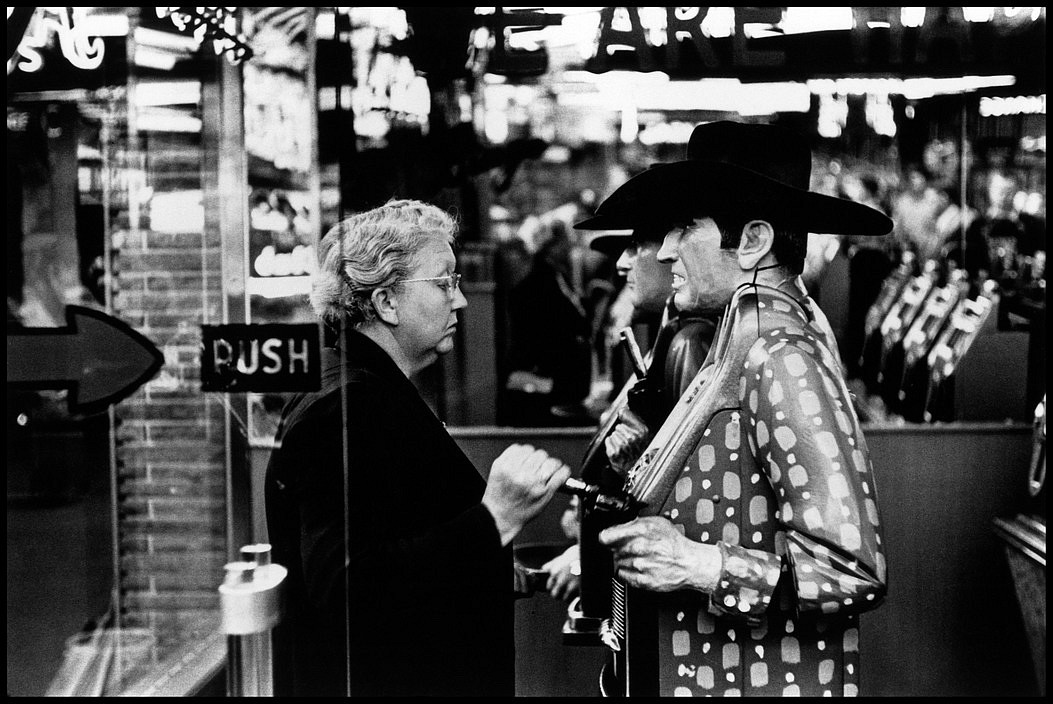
(570, 521)
(525, 581)
(522, 482)
(627, 441)
(564, 574)
(650, 553)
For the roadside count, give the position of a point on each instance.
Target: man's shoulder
(693, 337)
(792, 348)
(694, 326)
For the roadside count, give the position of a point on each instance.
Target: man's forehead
(698, 224)
(643, 248)
(652, 232)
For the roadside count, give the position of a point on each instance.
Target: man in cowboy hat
(681, 345)
(684, 333)
(759, 542)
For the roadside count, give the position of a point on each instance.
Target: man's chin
(684, 300)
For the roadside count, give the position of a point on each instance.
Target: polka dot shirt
(782, 484)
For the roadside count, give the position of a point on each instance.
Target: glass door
(128, 491)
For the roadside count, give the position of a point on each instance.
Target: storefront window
(283, 180)
(121, 516)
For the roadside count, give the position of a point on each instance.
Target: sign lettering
(270, 357)
(875, 38)
(65, 22)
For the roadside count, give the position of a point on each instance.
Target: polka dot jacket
(780, 480)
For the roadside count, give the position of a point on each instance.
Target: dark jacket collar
(356, 352)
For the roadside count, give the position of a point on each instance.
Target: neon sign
(1018, 105)
(713, 41)
(215, 24)
(298, 262)
(66, 23)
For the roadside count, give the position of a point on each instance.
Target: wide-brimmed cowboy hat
(735, 167)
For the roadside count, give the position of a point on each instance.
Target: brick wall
(171, 437)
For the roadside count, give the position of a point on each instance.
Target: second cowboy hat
(730, 164)
(614, 242)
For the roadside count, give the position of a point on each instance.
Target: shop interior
(174, 168)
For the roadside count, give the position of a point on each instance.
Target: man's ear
(386, 305)
(755, 243)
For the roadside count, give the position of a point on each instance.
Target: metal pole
(963, 176)
(263, 660)
(251, 605)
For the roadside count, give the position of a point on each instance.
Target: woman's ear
(755, 243)
(386, 305)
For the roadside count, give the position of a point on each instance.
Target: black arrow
(99, 358)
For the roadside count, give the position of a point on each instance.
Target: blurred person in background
(954, 218)
(954, 223)
(1002, 227)
(550, 350)
(994, 235)
(869, 264)
(1031, 211)
(914, 210)
(390, 535)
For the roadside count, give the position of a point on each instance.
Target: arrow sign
(99, 358)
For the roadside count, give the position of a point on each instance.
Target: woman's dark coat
(428, 590)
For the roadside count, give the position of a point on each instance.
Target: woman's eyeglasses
(450, 282)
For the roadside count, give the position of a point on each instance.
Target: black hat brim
(682, 190)
(611, 243)
(625, 235)
(609, 221)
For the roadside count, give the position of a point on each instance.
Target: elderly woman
(399, 556)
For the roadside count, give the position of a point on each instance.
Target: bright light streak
(278, 286)
(1017, 105)
(148, 93)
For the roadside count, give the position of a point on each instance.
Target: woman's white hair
(374, 249)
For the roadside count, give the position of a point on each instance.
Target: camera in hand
(594, 499)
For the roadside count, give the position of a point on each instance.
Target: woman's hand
(522, 482)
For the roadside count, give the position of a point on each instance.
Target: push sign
(269, 357)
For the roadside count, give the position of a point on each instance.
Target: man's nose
(624, 263)
(667, 252)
